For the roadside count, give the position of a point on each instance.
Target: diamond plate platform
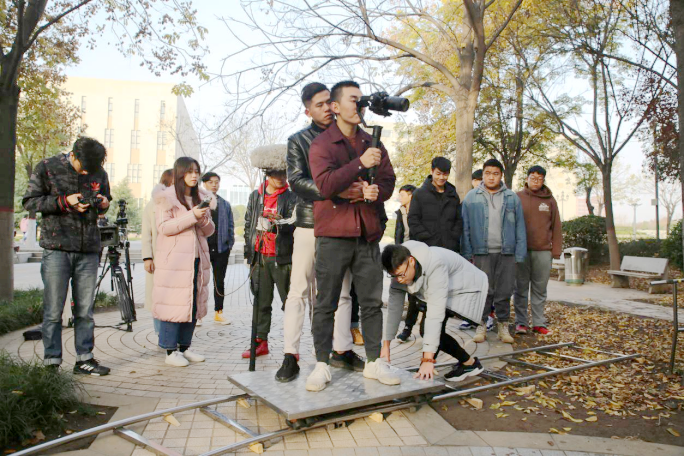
(347, 390)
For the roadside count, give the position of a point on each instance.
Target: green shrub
(641, 247)
(33, 397)
(27, 309)
(588, 232)
(672, 246)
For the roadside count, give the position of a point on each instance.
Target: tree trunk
(9, 102)
(509, 174)
(613, 247)
(463, 161)
(677, 16)
(670, 213)
(590, 207)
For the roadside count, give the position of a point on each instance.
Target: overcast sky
(209, 98)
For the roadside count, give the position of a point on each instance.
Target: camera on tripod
(114, 235)
(115, 238)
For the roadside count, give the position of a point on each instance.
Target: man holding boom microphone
(348, 233)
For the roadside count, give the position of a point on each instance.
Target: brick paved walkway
(138, 369)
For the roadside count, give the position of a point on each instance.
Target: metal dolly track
(255, 441)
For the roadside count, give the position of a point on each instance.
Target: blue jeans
(57, 268)
(157, 325)
(172, 335)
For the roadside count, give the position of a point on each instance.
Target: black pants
(412, 312)
(334, 256)
(219, 264)
(449, 345)
(265, 276)
(355, 305)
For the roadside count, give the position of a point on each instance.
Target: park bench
(559, 265)
(642, 268)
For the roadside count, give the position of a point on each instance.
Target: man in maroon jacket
(544, 240)
(348, 232)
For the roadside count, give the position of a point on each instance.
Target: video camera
(115, 235)
(381, 103)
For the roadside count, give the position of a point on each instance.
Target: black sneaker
(347, 360)
(405, 334)
(461, 371)
(90, 367)
(289, 370)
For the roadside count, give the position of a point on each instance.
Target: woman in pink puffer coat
(182, 265)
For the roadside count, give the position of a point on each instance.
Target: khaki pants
(303, 289)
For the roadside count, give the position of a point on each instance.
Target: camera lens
(397, 104)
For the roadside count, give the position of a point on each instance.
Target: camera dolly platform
(347, 390)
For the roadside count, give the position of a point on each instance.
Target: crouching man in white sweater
(450, 285)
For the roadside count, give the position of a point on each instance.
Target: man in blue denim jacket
(494, 238)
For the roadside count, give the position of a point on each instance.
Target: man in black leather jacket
(315, 97)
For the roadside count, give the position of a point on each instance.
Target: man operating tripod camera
(70, 191)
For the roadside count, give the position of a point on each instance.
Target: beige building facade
(143, 125)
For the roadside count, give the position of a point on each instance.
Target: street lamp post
(563, 199)
(634, 230)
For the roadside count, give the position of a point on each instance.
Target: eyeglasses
(536, 179)
(401, 275)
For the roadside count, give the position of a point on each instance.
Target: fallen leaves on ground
(632, 388)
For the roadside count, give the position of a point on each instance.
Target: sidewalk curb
(438, 432)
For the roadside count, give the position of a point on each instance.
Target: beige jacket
(149, 244)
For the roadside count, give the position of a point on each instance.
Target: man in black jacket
(70, 191)
(316, 101)
(435, 215)
(401, 235)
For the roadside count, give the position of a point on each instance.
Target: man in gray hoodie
(450, 286)
(495, 239)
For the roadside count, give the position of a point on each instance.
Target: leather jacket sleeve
(298, 171)
(249, 235)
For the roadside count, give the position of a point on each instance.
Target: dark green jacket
(64, 228)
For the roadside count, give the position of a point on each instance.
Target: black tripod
(123, 285)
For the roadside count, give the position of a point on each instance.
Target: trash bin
(576, 265)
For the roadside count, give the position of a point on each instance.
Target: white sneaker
(381, 371)
(199, 322)
(490, 323)
(319, 378)
(176, 359)
(193, 357)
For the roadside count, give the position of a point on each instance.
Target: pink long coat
(178, 231)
